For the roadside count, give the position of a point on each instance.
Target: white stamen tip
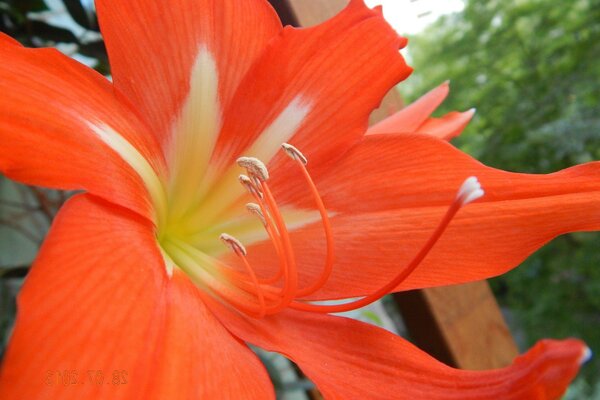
(469, 191)
(232, 242)
(250, 186)
(474, 195)
(294, 153)
(255, 167)
(244, 180)
(255, 209)
(585, 356)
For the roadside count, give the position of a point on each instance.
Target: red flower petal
(448, 126)
(320, 84)
(99, 319)
(88, 304)
(390, 192)
(153, 48)
(410, 118)
(348, 359)
(199, 359)
(47, 108)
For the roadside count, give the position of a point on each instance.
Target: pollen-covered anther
(469, 191)
(255, 167)
(294, 153)
(249, 185)
(255, 209)
(233, 243)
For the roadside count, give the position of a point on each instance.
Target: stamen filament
(240, 251)
(290, 272)
(268, 222)
(257, 297)
(301, 160)
(207, 277)
(402, 275)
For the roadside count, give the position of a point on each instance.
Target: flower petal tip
(586, 355)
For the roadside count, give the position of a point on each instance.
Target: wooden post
(460, 325)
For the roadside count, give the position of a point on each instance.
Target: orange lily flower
(133, 281)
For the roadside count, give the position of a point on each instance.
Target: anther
(235, 244)
(255, 167)
(294, 153)
(254, 208)
(250, 186)
(469, 191)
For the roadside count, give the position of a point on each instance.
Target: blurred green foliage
(68, 23)
(532, 69)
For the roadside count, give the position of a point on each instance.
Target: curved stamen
(255, 167)
(290, 271)
(250, 186)
(297, 156)
(469, 191)
(206, 277)
(240, 251)
(258, 173)
(266, 299)
(267, 221)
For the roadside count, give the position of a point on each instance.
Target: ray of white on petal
(227, 189)
(138, 162)
(249, 229)
(279, 131)
(195, 133)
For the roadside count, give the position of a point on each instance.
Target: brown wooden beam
(460, 325)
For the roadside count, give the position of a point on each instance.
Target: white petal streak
(280, 130)
(196, 130)
(135, 160)
(227, 189)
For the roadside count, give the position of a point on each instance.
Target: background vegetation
(532, 69)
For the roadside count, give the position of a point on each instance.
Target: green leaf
(95, 50)
(80, 14)
(48, 32)
(25, 6)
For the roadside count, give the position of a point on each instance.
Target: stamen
(268, 223)
(240, 250)
(469, 189)
(273, 299)
(294, 153)
(269, 226)
(290, 273)
(255, 209)
(255, 167)
(202, 274)
(259, 292)
(232, 242)
(250, 186)
(297, 156)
